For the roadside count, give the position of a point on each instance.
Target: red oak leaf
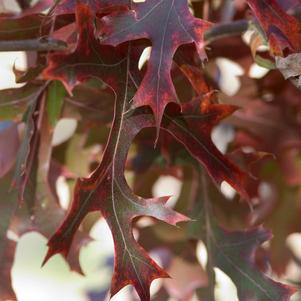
(282, 30)
(146, 21)
(142, 104)
(89, 59)
(106, 190)
(193, 129)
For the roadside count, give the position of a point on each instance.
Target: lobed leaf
(234, 253)
(88, 60)
(145, 20)
(106, 190)
(281, 29)
(13, 102)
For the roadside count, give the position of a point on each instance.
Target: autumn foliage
(144, 82)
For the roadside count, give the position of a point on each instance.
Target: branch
(41, 44)
(216, 32)
(227, 29)
(47, 44)
(236, 27)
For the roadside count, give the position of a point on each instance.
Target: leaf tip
(48, 255)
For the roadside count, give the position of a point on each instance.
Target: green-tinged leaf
(257, 40)
(234, 252)
(265, 63)
(14, 102)
(55, 101)
(25, 178)
(281, 29)
(178, 27)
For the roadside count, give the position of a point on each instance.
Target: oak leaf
(88, 60)
(281, 29)
(144, 22)
(106, 190)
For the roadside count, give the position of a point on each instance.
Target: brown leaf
(290, 67)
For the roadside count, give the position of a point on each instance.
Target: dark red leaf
(193, 130)
(89, 59)
(282, 30)
(171, 93)
(107, 191)
(146, 21)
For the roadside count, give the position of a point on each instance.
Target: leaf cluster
(145, 84)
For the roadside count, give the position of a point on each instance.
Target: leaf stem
(207, 216)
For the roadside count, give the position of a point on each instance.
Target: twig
(236, 27)
(41, 44)
(47, 44)
(225, 30)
